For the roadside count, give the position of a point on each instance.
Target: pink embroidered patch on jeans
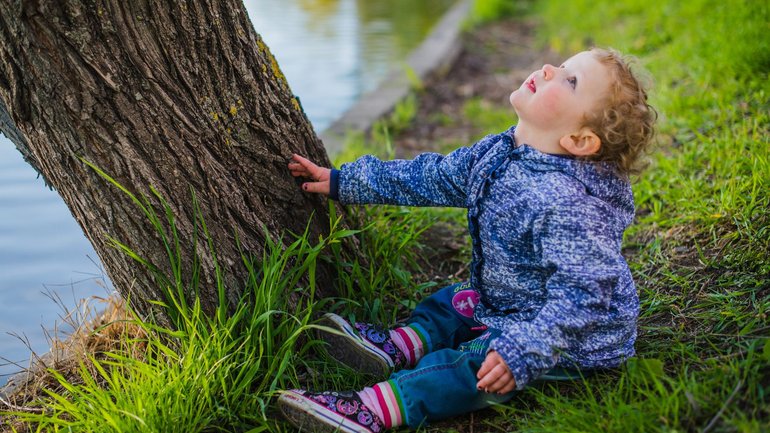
(465, 301)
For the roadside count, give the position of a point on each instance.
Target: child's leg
(442, 385)
(444, 319)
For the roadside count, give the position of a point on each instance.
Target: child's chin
(513, 97)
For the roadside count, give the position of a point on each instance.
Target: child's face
(557, 98)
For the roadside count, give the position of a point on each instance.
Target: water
(331, 52)
(42, 249)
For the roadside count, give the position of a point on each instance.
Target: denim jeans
(443, 383)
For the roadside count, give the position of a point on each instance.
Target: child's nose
(548, 71)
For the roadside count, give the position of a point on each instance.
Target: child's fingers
(502, 381)
(492, 359)
(305, 163)
(296, 167)
(317, 187)
(508, 388)
(299, 172)
(499, 380)
(301, 160)
(486, 383)
(301, 167)
(485, 367)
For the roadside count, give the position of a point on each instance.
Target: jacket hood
(599, 178)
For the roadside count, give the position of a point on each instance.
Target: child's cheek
(550, 101)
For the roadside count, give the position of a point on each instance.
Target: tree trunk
(175, 96)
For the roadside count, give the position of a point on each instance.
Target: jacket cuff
(334, 184)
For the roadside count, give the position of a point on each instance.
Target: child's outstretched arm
(430, 179)
(301, 167)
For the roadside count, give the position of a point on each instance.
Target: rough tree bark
(163, 94)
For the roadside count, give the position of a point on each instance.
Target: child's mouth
(531, 85)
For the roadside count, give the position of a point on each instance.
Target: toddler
(549, 297)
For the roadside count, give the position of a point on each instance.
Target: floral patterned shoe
(366, 348)
(328, 412)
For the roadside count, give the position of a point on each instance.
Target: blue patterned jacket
(546, 233)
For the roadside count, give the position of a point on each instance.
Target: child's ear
(581, 143)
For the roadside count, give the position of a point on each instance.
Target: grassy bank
(221, 373)
(699, 251)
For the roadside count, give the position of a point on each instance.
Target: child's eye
(572, 81)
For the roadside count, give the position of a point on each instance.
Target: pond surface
(331, 52)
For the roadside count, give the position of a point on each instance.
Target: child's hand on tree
(301, 167)
(494, 375)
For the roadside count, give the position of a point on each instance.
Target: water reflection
(330, 51)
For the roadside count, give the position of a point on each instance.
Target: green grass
(387, 286)
(209, 373)
(488, 118)
(485, 11)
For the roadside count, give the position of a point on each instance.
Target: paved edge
(439, 49)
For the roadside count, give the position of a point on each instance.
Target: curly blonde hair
(626, 122)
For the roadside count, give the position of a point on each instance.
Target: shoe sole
(353, 351)
(311, 417)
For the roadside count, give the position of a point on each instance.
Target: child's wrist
(334, 182)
